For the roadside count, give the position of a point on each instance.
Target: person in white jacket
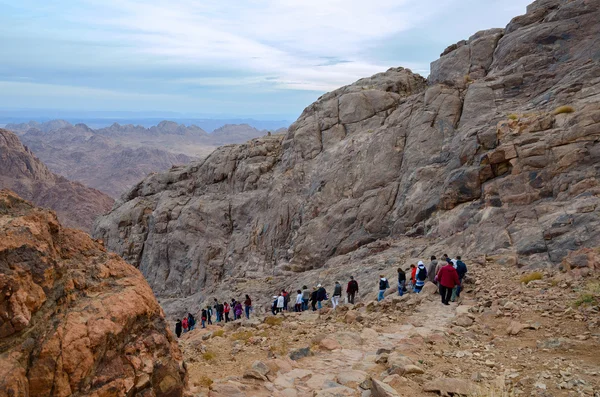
(280, 303)
(298, 306)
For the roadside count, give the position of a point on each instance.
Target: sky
(242, 58)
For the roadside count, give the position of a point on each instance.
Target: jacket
(191, 320)
(432, 270)
(299, 299)
(280, 301)
(401, 277)
(337, 291)
(305, 294)
(226, 308)
(184, 323)
(413, 275)
(383, 284)
(178, 327)
(461, 268)
(448, 276)
(421, 274)
(314, 296)
(321, 294)
(352, 287)
(204, 314)
(248, 302)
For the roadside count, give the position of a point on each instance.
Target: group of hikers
(222, 312)
(447, 274)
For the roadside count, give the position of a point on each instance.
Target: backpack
(422, 274)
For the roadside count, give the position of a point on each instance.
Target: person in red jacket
(413, 276)
(447, 279)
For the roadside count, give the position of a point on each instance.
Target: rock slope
(76, 205)
(496, 153)
(74, 319)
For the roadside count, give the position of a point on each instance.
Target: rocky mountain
(74, 319)
(76, 205)
(496, 153)
(114, 158)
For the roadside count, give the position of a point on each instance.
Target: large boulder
(74, 319)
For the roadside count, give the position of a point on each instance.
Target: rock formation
(74, 319)
(496, 153)
(76, 205)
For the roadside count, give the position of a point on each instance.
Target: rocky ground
(512, 333)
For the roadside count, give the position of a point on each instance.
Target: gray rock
(297, 354)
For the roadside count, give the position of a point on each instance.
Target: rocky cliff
(74, 319)
(496, 153)
(76, 205)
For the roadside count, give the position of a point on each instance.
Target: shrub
(513, 116)
(242, 335)
(273, 320)
(527, 278)
(208, 356)
(218, 332)
(563, 109)
(204, 381)
(585, 299)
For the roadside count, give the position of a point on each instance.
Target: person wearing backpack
(314, 298)
(420, 277)
(383, 285)
(352, 289)
(321, 295)
(461, 269)
(337, 294)
(401, 281)
(191, 322)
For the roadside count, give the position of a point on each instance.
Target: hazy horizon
(261, 60)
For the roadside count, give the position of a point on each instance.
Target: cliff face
(74, 319)
(480, 159)
(76, 205)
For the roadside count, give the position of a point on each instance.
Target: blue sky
(213, 57)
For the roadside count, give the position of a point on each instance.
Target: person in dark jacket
(383, 285)
(217, 311)
(248, 306)
(352, 289)
(401, 281)
(209, 315)
(447, 279)
(191, 321)
(203, 318)
(314, 298)
(337, 294)
(178, 328)
(305, 297)
(321, 295)
(461, 269)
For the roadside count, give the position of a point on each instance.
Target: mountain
(496, 154)
(114, 158)
(76, 205)
(75, 320)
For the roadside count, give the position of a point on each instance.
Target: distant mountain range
(114, 158)
(20, 171)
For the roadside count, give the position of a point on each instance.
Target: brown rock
(380, 389)
(446, 386)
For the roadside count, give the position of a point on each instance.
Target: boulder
(380, 389)
(302, 352)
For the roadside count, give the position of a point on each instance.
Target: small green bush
(219, 332)
(563, 109)
(208, 356)
(242, 335)
(527, 278)
(585, 299)
(204, 381)
(513, 116)
(273, 320)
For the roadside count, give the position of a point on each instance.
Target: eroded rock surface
(480, 158)
(74, 319)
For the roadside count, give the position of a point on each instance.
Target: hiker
(314, 298)
(383, 285)
(238, 310)
(445, 258)
(337, 294)
(401, 281)
(286, 299)
(447, 279)
(216, 307)
(184, 324)
(178, 328)
(351, 289)
(305, 297)
(274, 306)
(280, 302)
(226, 309)
(431, 270)
(191, 322)
(203, 317)
(232, 306)
(299, 304)
(420, 276)
(248, 306)
(220, 309)
(413, 274)
(439, 265)
(461, 269)
(321, 296)
(209, 313)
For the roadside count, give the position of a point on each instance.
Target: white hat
(319, 286)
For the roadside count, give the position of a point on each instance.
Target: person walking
(203, 317)
(274, 305)
(401, 281)
(305, 297)
(321, 295)
(184, 324)
(209, 314)
(314, 298)
(220, 309)
(248, 306)
(217, 312)
(352, 289)
(232, 306)
(337, 294)
(280, 302)
(238, 310)
(299, 304)
(461, 269)
(286, 299)
(191, 322)
(413, 278)
(178, 328)
(447, 279)
(383, 285)
(431, 270)
(226, 310)
(420, 277)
